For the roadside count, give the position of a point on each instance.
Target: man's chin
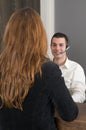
(57, 57)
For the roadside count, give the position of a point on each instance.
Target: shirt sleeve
(78, 85)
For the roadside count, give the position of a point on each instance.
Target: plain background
(70, 18)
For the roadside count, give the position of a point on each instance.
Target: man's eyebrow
(57, 43)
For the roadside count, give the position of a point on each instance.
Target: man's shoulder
(74, 64)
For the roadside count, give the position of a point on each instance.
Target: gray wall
(70, 18)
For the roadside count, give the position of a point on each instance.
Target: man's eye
(60, 45)
(54, 45)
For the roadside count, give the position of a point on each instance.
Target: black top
(38, 107)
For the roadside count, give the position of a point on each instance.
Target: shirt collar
(66, 64)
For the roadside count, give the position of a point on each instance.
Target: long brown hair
(23, 53)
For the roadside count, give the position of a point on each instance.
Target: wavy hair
(23, 52)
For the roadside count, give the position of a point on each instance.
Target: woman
(31, 86)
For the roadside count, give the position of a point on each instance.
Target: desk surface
(78, 124)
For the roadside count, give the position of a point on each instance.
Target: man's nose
(57, 47)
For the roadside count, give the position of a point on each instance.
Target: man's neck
(60, 61)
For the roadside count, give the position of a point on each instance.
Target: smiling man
(72, 72)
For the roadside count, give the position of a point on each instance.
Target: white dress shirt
(74, 77)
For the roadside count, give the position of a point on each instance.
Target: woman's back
(47, 92)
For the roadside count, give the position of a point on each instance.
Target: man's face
(58, 46)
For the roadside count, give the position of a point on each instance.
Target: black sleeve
(60, 95)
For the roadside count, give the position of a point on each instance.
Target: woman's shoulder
(50, 64)
(50, 67)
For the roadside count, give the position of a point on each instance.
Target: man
(72, 72)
